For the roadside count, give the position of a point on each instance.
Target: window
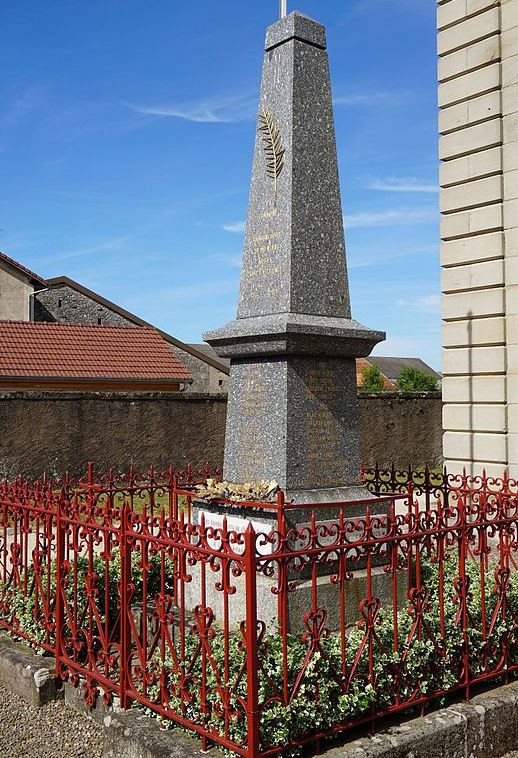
(60, 302)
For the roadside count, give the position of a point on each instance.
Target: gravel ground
(53, 731)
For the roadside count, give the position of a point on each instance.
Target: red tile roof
(61, 351)
(28, 272)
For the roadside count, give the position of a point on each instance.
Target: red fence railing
(429, 484)
(268, 634)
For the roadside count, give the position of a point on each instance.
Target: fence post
(125, 638)
(252, 704)
(59, 605)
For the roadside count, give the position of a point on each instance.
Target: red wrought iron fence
(429, 484)
(309, 621)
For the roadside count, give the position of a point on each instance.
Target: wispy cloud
(27, 101)
(428, 303)
(217, 110)
(385, 256)
(111, 245)
(401, 184)
(395, 217)
(188, 293)
(238, 227)
(229, 259)
(370, 98)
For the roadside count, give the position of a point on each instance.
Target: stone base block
(299, 599)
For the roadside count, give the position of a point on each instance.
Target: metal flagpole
(284, 8)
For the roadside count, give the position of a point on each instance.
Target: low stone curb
(129, 734)
(486, 727)
(26, 674)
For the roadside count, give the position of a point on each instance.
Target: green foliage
(319, 702)
(189, 675)
(412, 379)
(27, 611)
(372, 380)
(424, 662)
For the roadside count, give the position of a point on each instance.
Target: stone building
(66, 301)
(26, 296)
(478, 124)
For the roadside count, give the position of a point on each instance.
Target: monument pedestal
(298, 601)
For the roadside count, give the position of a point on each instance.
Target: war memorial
(292, 413)
(297, 601)
(293, 404)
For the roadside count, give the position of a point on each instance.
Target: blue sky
(126, 137)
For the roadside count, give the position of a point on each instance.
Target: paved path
(53, 731)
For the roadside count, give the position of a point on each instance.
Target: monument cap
(296, 26)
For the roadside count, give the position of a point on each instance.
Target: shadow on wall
(470, 392)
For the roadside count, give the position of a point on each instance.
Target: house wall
(68, 429)
(478, 124)
(15, 290)
(65, 304)
(509, 94)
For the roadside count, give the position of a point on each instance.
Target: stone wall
(61, 302)
(404, 429)
(65, 304)
(55, 431)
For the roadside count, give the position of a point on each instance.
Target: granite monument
(292, 412)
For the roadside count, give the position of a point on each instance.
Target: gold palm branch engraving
(272, 147)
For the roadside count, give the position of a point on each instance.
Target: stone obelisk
(292, 411)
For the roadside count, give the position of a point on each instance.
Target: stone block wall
(509, 93)
(65, 430)
(478, 125)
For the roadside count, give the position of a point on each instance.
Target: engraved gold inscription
(264, 262)
(254, 402)
(324, 464)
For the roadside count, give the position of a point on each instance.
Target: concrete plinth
(298, 573)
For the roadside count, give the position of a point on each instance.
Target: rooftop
(210, 353)
(391, 367)
(77, 351)
(207, 356)
(35, 277)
